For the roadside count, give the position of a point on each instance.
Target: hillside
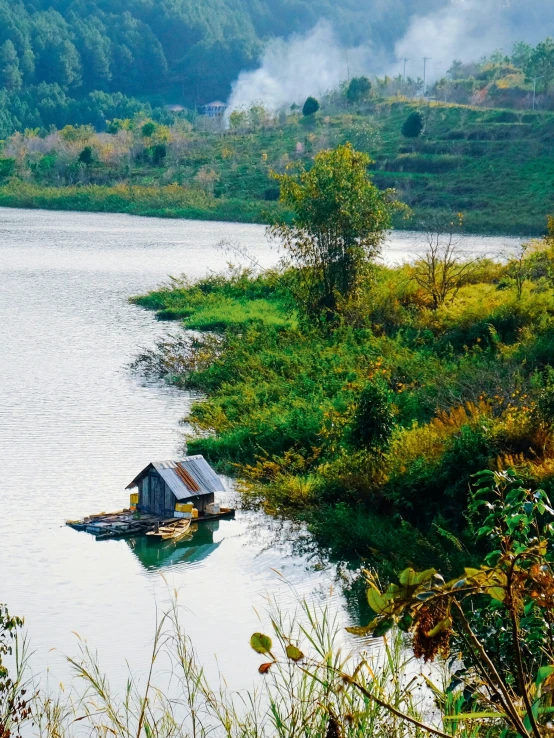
(178, 50)
(495, 167)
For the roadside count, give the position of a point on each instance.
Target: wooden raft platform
(126, 523)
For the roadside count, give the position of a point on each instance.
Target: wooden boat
(172, 532)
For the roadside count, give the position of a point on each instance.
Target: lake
(76, 426)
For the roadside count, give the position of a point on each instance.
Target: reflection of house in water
(156, 555)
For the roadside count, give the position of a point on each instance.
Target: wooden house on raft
(163, 484)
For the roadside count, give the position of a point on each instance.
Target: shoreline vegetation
(361, 398)
(155, 202)
(485, 632)
(493, 167)
(406, 415)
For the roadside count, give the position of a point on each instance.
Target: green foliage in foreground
(499, 615)
(311, 698)
(454, 390)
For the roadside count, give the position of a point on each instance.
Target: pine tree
(10, 73)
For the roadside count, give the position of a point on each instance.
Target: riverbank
(494, 167)
(188, 204)
(156, 202)
(371, 432)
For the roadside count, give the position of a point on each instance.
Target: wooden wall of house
(157, 498)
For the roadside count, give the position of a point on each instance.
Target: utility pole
(534, 80)
(425, 60)
(405, 60)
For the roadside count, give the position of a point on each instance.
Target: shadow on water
(155, 555)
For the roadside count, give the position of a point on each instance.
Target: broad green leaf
(406, 577)
(376, 600)
(261, 643)
(543, 673)
(497, 593)
(514, 521)
(472, 572)
(294, 653)
(485, 530)
(365, 629)
(424, 576)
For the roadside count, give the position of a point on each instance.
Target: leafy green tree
(59, 62)
(413, 125)
(10, 74)
(238, 119)
(86, 156)
(358, 90)
(27, 64)
(95, 52)
(373, 421)
(456, 70)
(311, 106)
(541, 63)
(148, 129)
(159, 152)
(339, 224)
(7, 167)
(521, 55)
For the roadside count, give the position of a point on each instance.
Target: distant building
(175, 108)
(214, 109)
(163, 483)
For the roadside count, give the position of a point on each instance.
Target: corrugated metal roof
(186, 478)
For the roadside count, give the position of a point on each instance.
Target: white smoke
(468, 30)
(311, 64)
(293, 69)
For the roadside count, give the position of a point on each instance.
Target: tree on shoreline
(339, 224)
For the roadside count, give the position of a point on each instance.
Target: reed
(303, 699)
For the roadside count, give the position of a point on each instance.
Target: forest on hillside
(191, 51)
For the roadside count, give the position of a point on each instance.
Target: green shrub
(413, 125)
(311, 106)
(373, 421)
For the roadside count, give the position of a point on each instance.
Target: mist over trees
(74, 62)
(185, 51)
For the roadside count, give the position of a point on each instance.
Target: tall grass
(169, 201)
(305, 699)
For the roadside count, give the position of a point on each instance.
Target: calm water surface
(76, 427)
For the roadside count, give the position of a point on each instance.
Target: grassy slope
(281, 397)
(496, 167)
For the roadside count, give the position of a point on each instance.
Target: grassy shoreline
(153, 202)
(172, 203)
(464, 386)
